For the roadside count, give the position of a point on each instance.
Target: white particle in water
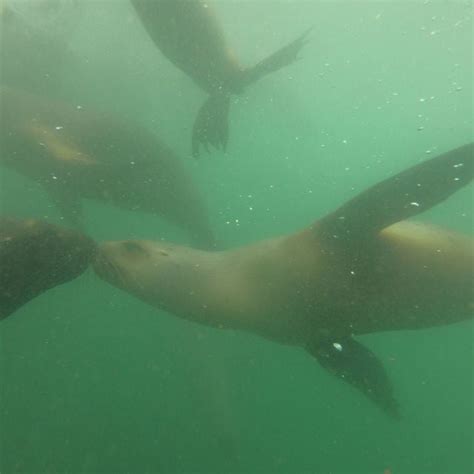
(415, 204)
(337, 346)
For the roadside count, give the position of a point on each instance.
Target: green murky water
(94, 381)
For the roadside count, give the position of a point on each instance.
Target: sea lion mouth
(106, 269)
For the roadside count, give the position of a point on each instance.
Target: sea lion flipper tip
(281, 58)
(211, 126)
(351, 361)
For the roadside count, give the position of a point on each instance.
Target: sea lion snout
(103, 264)
(36, 256)
(113, 257)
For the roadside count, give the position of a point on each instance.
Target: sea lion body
(188, 33)
(360, 269)
(76, 153)
(291, 289)
(36, 256)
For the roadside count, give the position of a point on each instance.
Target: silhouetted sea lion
(356, 271)
(36, 256)
(188, 34)
(76, 152)
(34, 38)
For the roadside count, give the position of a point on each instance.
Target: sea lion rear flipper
(278, 60)
(211, 126)
(355, 364)
(399, 197)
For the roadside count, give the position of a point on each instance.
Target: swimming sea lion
(188, 34)
(35, 43)
(76, 152)
(36, 256)
(356, 271)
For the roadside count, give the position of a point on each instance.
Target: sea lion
(187, 32)
(360, 269)
(36, 256)
(35, 43)
(76, 152)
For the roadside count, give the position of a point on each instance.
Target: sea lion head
(154, 271)
(35, 256)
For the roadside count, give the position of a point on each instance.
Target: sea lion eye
(133, 247)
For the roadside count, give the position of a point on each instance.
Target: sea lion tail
(278, 60)
(211, 126)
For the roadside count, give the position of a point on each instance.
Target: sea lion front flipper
(211, 126)
(355, 364)
(399, 197)
(278, 60)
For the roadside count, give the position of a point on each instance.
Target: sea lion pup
(36, 256)
(76, 152)
(360, 269)
(188, 34)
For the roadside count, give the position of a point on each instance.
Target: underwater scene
(236, 237)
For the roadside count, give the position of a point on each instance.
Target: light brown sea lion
(188, 33)
(36, 256)
(361, 269)
(76, 152)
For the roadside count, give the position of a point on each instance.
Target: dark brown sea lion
(36, 256)
(188, 34)
(76, 152)
(360, 269)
